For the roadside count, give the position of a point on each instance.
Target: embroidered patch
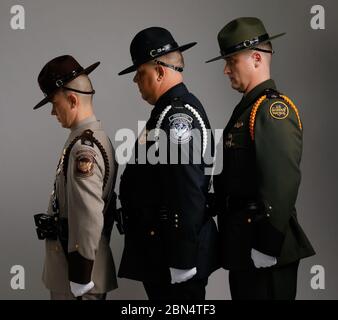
(84, 164)
(279, 110)
(180, 128)
(87, 142)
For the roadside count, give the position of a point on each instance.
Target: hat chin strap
(262, 50)
(171, 66)
(79, 91)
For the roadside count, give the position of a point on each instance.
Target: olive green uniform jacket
(257, 190)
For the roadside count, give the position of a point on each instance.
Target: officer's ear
(73, 100)
(257, 58)
(160, 72)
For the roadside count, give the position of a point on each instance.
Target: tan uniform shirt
(82, 200)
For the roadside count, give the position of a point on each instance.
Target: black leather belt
(234, 203)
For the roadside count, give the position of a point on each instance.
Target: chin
(234, 86)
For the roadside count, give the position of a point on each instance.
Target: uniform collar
(88, 123)
(248, 100)
(257, 91)
(176, 91)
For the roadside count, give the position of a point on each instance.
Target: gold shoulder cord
(255, 109)
(253, 116)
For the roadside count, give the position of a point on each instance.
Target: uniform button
(267, 215)
(77, 246)
(176, 220)
(249, 220)
(176, 225)
(270, 208)
(176, 215)
(152, 233)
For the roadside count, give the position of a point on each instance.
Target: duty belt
(235, 203)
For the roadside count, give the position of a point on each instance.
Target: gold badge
(228, 143)
(239, 124)
(143, 137)
(59, 167)
(84, 165)
(279, 110)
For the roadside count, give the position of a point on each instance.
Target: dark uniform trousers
(164, 207)
(87, 296)
(193, 289)
(265, 283)
(256, 195)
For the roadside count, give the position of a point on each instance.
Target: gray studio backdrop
(305, 67)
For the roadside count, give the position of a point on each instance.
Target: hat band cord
(263, 50)
(246, 44)
(60, 82)
(155, 52)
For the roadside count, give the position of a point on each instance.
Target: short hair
(82, 83)
(175, 58)
(266, 45)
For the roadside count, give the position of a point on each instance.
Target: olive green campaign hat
(242, 34)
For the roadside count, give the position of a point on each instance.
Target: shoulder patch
(84, 163)
(279, 110)
(180, 125)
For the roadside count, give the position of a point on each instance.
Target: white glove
(80, 289)
(181, 275)
(262, 260)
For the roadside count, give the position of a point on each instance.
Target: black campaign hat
(150, 44)
(57, 73)
(242, 34)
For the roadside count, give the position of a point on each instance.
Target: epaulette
(270, 94)
(87, 138)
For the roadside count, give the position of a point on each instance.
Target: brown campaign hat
(57, 73)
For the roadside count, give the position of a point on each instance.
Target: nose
(53, 113)
(226, 69)
(135, 78)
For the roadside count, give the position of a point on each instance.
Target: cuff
(267, 239)
(79, 268)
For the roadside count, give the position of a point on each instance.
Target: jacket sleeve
(278, 145)
(186, 185)
(85, 210)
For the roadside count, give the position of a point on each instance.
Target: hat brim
(231, 54)
(135, 66)
(86, 71)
